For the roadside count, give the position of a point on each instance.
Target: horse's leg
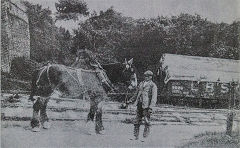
(43, 114)
(35, 119)
(99, 125)
(91, 114)
(90, 118)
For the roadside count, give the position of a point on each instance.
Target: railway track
(75, 110)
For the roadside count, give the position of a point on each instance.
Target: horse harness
(79, 79)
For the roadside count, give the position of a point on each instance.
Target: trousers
(143, 114)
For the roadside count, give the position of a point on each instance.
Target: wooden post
(229, 123)
(230, 107)
(200, 102)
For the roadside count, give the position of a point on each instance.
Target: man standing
(146, 99)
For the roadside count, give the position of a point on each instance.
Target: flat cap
(148, 73)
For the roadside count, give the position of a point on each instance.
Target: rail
(120, 93)
(16, 80)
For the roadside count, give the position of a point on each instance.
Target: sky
(214, 10)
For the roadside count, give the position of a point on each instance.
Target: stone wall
(15, 33)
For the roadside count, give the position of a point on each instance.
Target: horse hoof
(92, 133)
(46, 125)
(36, 129)
(101, 132)
(90, 127)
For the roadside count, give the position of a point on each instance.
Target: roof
(194, 68)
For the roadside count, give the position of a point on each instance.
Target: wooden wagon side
(189, 84)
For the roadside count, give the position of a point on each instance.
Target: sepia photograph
(120, 73)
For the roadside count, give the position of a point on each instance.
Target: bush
(22, 68)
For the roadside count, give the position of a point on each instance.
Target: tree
(71, 9)
(114, 37)
(65, 43)
(103, 33)
(44, 45)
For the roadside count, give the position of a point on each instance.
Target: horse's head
(129, 72)
(122, 73)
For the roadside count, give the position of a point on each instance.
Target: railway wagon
(198, 81)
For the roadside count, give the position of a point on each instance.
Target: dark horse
(121, 72)
(68, 81)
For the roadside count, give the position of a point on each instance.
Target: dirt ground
(171, 126)
(18, 134)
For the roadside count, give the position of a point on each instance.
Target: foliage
(213, 139)
(71, 9)
(64, 39)
(22, 68)
(184, 34)
(47, 42)
(42, 33)
(116, 37)
(103, 33)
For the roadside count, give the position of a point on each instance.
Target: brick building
(15, 37)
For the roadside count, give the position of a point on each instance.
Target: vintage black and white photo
(120, 73)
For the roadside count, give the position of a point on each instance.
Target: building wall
(15, 33)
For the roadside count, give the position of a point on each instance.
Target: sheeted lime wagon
(198, 81)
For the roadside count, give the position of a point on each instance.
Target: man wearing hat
(146, 99)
